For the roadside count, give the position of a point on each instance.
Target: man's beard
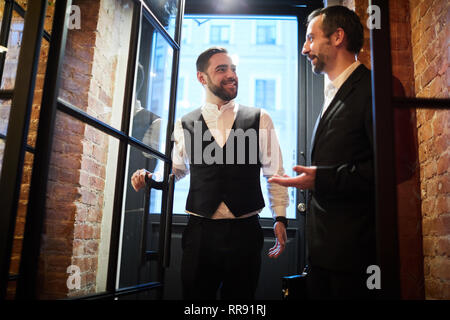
(221, 92)
(320, 64)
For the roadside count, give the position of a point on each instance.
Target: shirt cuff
(278, 211)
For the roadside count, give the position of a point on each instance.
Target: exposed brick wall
(429, 21)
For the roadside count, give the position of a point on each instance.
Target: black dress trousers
(221, 254)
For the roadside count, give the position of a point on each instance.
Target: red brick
(95, 214)
(433, 289)
(443, 206)
(442, 225)
(442, 143)
(430, 170)
(443, 246)
(60, 211)
(440, 268)
(428, 75)
(441, 122)
(428, 245)
(91, 248)
(83, 231)
(92, 167)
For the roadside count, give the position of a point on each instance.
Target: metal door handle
(168, 222)
(149, 184)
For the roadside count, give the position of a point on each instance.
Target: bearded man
(224, 146)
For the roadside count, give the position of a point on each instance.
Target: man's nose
(305, 49)
(230, 74)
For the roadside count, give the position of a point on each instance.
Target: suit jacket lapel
(314, 135)
(336, 104)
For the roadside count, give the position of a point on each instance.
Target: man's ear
(338, 37)
(201, 77)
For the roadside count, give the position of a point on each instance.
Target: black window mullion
(28, 148)
(119, 292)
(6, 94)
(165, 218)
(26, 286)
(14, 153)
(73, 111)
(422, 103)
(21, 12)
(385, 184)
(158, 26)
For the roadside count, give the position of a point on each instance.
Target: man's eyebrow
(222, 66)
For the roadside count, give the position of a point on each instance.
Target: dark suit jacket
(340, 224)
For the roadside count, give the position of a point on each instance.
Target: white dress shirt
(332, 87)
(219, 123)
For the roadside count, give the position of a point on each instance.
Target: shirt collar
(207, 106)
(337, 83)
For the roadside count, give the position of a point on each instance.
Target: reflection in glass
(133, 268)
(166, 12)
(93, 76)
(154, 70)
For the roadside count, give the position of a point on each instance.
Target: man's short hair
(203, 58)
(341, 17)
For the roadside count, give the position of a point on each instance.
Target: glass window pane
(260, 73)
(20, 222)
(2, 11)
(265, 34)
(152, 96)
(93, 76)
(12, 53)
(5, 105)
(133, 268)
(9, 75)
(166, 12)
(5, 109)
(80, 196)
(220, 34)
(2, 151)
(265, 93)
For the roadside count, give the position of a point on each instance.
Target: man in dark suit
(340, 223)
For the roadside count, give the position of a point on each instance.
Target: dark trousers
(221, 254)
(324, 284)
